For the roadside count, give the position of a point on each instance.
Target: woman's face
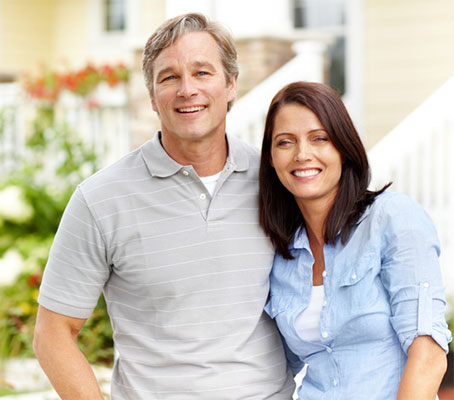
(305, 159)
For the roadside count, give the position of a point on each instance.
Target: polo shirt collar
(238, 156)
(158, 161)
(161, 165)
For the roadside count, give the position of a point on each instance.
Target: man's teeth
(308, 172)
(190, 109)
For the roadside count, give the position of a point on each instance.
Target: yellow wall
(409, 53)
(73, 26)
(26, 34)
(152, 14)
(68, 33)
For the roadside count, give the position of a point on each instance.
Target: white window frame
(353, 33)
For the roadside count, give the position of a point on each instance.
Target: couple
(175, 237)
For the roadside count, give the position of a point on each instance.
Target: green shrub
(35, 196)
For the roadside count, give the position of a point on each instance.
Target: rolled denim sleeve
(411, 272)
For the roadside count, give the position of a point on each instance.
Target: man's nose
(187, 87)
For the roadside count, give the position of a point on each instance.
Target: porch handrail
(418, 157)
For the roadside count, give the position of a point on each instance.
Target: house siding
(408, 54)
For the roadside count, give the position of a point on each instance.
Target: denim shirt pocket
(357, 283)
(277, 305)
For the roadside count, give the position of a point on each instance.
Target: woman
(356, 288)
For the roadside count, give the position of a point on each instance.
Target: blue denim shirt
(383, 288)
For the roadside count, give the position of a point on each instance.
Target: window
(328, 18)
(319, 13)
(114, 15)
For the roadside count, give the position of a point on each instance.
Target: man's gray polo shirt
(184, 274)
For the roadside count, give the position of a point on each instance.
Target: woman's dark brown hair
(280, 216)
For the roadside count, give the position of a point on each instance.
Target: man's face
(190, 92)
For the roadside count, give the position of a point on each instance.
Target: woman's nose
(302, 153)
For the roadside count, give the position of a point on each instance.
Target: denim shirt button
(335, 382)
(324, 274)
(329, 350)
(354, 276)
(324, 334)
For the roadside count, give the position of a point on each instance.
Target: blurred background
(72, 100)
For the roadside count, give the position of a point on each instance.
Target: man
(170, 234)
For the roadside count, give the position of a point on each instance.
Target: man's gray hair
(171, 30)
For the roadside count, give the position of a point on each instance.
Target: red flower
(34, 280)
(82, 82)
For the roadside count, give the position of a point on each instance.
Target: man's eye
(168, 78)
(202, 73)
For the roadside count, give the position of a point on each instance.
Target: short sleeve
(411, 272)
(77, 268)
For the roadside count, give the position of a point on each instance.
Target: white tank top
(307, 323)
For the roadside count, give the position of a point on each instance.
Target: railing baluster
(418, 155)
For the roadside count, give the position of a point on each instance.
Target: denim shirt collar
(301, 241)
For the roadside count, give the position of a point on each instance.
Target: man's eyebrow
(204, 64)
(164, 71)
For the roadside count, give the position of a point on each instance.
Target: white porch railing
(246, 119)
(418, 156)
(104, 126)
(12, 139)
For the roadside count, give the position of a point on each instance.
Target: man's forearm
(55, 345)
(70, 374)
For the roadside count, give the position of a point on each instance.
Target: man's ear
(153, 105)
(232, 90)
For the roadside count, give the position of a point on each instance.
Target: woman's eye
(202, 73)
(321, 139)
(284, 142)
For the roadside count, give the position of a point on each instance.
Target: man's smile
(190, 109)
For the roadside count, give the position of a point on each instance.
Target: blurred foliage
(32, 200)
(450, 320)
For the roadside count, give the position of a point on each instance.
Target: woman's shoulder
(394, 202)
(398, 209)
